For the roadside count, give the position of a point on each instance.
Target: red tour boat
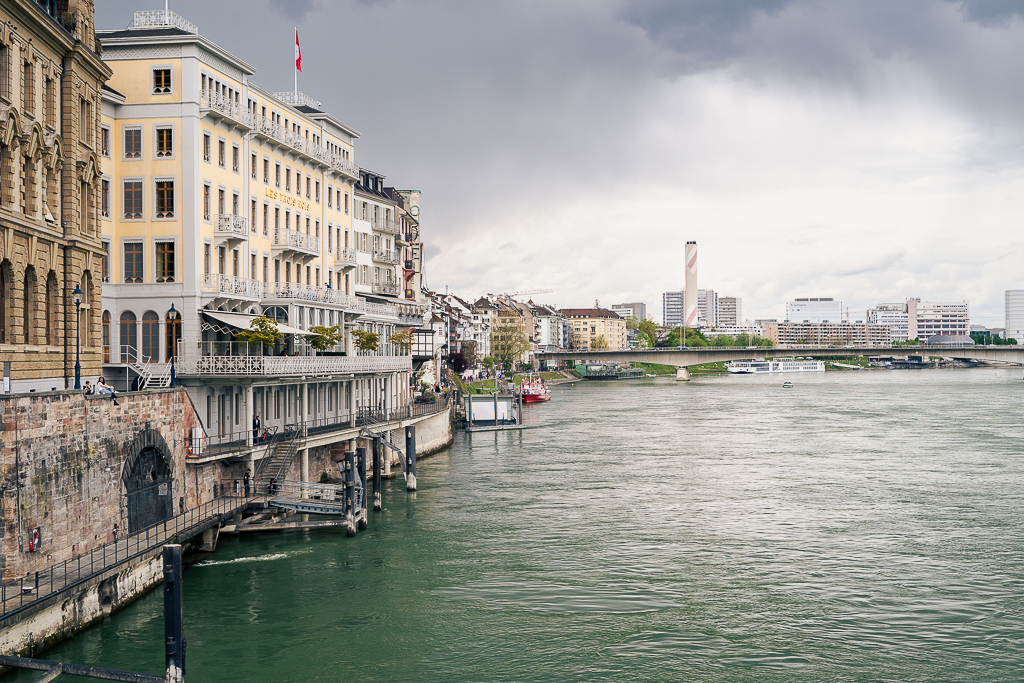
(534, 391)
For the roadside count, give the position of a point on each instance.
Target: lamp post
(78, 336)
(173, 315)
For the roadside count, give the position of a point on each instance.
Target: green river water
(862, 526)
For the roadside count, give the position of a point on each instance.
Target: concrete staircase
(276, 466)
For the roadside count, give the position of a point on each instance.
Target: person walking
(256, 427)
(245, 481)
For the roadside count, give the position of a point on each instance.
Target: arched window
(29, 305)
(150, 337)
(173, 334)
(278, 313)
(51, 309)
(5, 292)
(88, 320)
(106, 336)
(129, 335)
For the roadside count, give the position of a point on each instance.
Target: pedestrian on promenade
(245, 481)
(256, 427)
(102, 388)
(115, 533)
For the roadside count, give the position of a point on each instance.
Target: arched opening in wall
(150, 337)
(5, 301)
(128, 324)
(147, 482)
(106, 336)
(29, 305)
(85, 328)
(51, 310)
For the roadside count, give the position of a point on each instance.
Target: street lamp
(173, 317)
(78, 336)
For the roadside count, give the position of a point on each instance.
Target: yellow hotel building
(222, 201)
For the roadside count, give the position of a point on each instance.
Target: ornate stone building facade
(50, 138)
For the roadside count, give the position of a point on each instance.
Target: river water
(861, 526)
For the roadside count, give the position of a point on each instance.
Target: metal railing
(385, 256)
(296, 240)
(160, 18)
(272, 129)
(289, 366)
(17, 596)
(229, 222)
(345, 257)
(228, 107)
(231, 284)
(385, 288)
(233, 442)
(325, 295)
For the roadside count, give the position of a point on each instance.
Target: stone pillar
(387, 454)
(304, 474)
(305, 401)
(248, 401)
(682, 374)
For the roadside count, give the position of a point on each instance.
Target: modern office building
(673, 306)
(1014, 314)
(814, 310)
(827, 334)
(730, 311)
(636, 309)
(222, 201)
(50, 83)
(893, 316)
(915, 319)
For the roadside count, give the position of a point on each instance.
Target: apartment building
(222, 201)
(916, 319)
(730, 311)
(637, 309)
(827, 334)
(673, 304)
(814, 310)
(588, 324)
(50, 83)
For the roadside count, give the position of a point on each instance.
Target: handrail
(231, 284)
(290, 365)
(229, 222)
(22, 594)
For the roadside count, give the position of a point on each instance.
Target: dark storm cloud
(991, 12)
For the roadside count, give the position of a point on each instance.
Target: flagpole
(295, 66)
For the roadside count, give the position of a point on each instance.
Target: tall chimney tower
(690, 310)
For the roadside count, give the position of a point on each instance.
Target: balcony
(283, 366)
(411, 314)
(323, 295)
(286, 241)
(345, 258)
(388, 288)
(385, 256)
(410, 265)
(230, 228)
(231, 287)
(273, 131)
(383, 225)
(162, 18)
(409, 238)
(216, 105)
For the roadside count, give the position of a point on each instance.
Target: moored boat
(534, 391)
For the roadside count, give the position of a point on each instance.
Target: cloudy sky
(867, 150)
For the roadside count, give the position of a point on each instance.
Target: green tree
(508, 338)
(262, 330)
(632, 323)
(647, 330)
(403, 340)
(325, 338)
(366, 341)
(599, 344)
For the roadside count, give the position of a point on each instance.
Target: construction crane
(524, 292)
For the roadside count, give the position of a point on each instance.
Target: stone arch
(147, 480)
(52, 305)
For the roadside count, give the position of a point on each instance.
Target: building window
(206, 258)
(150, 337)
(133, 262)
(330, 195)
(165, 199)
(252, 171)
(206, 202)
(298, 183)
(165, 261)
(105, 141)
(266, 218)
(206, 146)
(105, 336)
(252, 217)
(346, 202)
(128, 324)
(308, 188)
(221, 259)
(266, 264)
(164, 142)
(252, 266)
(234, 262)
(266, 171)
(235, 158)
(161, 81)
(105, 261)
(288, 179)
(105, 198)
(277, 175)
(222, 153)
(133, 143)
(132, 199)
(220, 201)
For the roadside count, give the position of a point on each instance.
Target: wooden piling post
(349, 477)
(377, 446)
(174, 615)
(361, 498)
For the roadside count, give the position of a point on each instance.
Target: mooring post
(377, 446)
(410, 458)
(361, 498)
(348, 476)
(174, 615)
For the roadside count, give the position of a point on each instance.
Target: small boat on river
(534, 391)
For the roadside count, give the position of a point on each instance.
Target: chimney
(690, 309)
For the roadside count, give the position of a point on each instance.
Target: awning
(241, 321)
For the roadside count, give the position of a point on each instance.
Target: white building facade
(814, 310)
(1014, 314)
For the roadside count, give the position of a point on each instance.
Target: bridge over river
(682, 358)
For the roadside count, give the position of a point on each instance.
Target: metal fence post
(174, 617)
(410, 458)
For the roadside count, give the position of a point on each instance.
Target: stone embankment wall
(63, 458)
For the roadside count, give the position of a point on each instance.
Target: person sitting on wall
(103, 389)
(89, 391)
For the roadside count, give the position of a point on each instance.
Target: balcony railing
(389, 288)
(325, 295)
(385, 256)
(296, 240)
(232, 285)
(345, 257)
(237, 225)
(205, 366)
(162, 18)
(227, 107)
(271, 129)
(410, 237)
